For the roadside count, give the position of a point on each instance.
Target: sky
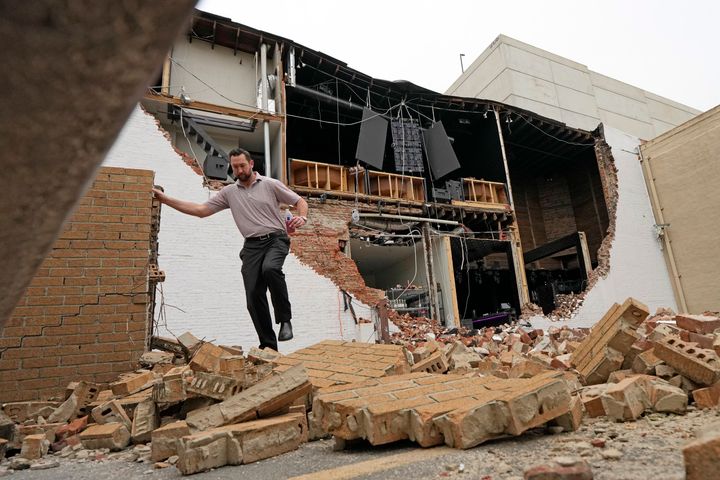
(669, 48)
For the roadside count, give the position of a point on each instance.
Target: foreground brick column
(84, 315)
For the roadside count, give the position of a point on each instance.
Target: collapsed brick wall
(83, 317)
(317, 245)
(609, 180)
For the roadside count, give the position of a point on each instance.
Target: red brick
(698, 323)
(554, 471)
(699, 365)
(707, 397)
(40, 362)
(48, 316)
(702, 457)
(78, 359)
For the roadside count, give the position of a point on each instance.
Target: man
(254, 201)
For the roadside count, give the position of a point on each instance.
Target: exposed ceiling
(374, 259)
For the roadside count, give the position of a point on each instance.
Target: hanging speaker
(371, 142)
(440, 153)
(215, 167)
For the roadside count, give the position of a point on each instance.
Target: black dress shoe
(285, 332)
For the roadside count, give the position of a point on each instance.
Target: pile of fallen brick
(170, 411)
(200, 406)
(195, 405)
(630, 362)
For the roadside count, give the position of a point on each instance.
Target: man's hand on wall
(160, 195)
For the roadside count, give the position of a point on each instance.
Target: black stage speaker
(371, 142)
(216, 167)
(440, 153)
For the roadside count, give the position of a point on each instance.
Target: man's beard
(243, 177)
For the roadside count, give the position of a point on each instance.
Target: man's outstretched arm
(302, 207)
(189, 208)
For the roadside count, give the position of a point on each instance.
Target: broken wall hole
(395, 265)
(338, 134)
(485, 283)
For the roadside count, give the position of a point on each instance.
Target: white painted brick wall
(203, 292)
(637, 266)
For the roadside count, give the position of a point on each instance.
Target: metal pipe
(263, 77)
(409, 219)
(657, 210)
(384, 225)
(266, 135)
(324, 97)
(516, 245)
(291, 69)
(504, 157)
(265, 103)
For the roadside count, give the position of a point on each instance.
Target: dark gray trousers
(262, 262)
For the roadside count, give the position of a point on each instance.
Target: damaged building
(466, 210)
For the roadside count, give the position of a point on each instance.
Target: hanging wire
(349, 85)
(206, 180)
(552, 136)
(210, 86)
(347, 124)
(337, 111)
(236, 102)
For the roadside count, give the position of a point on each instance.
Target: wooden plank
(451, 276)
(495, 207)
(352, 195)
(519, 267)
(583, 253)
(210, 107)
(394, 184)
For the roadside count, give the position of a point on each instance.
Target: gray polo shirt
(256, 209)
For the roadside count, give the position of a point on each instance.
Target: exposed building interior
(558, 192)
(483, 207)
